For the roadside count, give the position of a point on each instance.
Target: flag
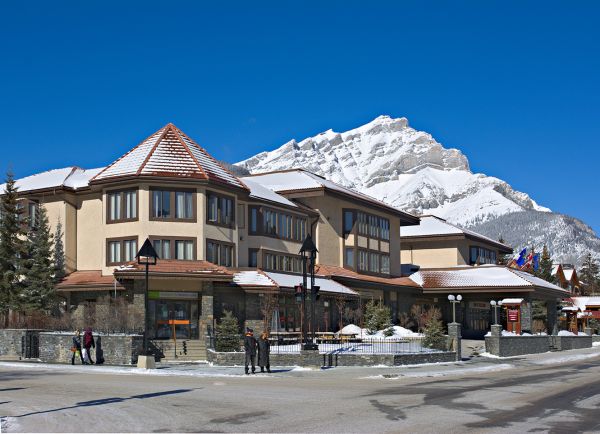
(521, 260)
(528, 262)
(536, 261)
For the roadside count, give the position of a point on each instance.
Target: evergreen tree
(58, 258)
(434, 331)
(12, 248)
(590, 274)
(545, 269)
(377, 317)
(38, 291)
(228, 337)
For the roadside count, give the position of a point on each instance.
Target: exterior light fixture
(454, 300)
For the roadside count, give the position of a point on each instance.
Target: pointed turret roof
(169, 153)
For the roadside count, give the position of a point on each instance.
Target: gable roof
(433, 226)
(299, 180)
(483, 277)
(169, 153)
(71, 177)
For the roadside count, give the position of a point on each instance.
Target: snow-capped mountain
(409, 169)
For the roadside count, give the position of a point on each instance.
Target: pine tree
(590, 274)
(58, 257)
(434, 331)
(38, 292)
(12, 248)
(377, 317)
(545, 269)
(228, 329)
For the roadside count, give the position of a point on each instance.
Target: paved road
(557, 392)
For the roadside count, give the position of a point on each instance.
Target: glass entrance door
(173, 318)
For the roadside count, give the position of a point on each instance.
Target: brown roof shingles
(334, 271)
(172, 266)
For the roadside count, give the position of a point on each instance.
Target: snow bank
(566, 333)
(399, 332)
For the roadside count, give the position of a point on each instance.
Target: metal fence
(333, 345)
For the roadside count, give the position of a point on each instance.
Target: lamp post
(146, 256)
(454, 300)
(496, 304)
(309, 255)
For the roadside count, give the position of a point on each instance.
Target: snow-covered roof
(259, 191)
(512, 301)
(70, 177)
(485, 276)
(568, 272)
(253, 278)
(555, 269)
(326, 285)
(583, 303)
(431, 225)
(169, 153)
(300, 179)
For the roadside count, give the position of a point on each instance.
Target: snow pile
(399, 332)
(507, 333)
(595, 344)
(566, 333)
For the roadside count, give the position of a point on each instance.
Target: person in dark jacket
(76, 348)
(264, 350)
(250, 349)
(88, 344)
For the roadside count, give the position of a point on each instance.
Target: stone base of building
(508, 346)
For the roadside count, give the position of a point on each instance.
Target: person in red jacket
(88, 344)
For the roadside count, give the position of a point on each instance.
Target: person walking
(88, 344)
(76, 347)
(250, 349)
(264, 350)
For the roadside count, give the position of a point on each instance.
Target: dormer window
(122, 206)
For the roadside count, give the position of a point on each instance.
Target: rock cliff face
(409, 169)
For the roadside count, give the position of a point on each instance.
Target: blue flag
(521, 261)
(536, 261)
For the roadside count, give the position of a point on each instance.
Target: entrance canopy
(171, 268)
(485, 279)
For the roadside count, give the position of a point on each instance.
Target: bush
(594, 324)
(228, 333)
(434, 330)
(377, 317)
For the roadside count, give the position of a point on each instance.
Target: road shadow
(106, 401)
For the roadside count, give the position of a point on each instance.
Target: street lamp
(309, 255)
(496, 304)
(146, 256)
(454, 300)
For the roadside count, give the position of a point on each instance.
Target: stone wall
(10, 343)
(508, 346)
(115, 349)
(562, 343)
(314, 359)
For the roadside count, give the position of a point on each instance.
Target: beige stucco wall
(435, 253)
(329, 229)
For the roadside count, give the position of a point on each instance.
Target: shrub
(228, 337)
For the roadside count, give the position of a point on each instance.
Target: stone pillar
(207, 313)
(526, 322)
(254, 315)
(588, 331)
(552, 318)
(496, 330)
(454, 331)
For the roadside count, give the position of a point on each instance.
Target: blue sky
(514, 85)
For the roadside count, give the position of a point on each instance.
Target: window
(32, 210)
(173, 205)
(384, 229)
(184, 205)
(348, 221)
(184, 250)
(280, 262)
(349, 258)
(253, 220)
(479, 255)
(180, 248)
(277, 224)
(219, 253)
(220, 210)
(385, 264)
(374, 262)
(121, 250)
(122, 206)
(363, 260)
(362, 224)
(252, 258)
